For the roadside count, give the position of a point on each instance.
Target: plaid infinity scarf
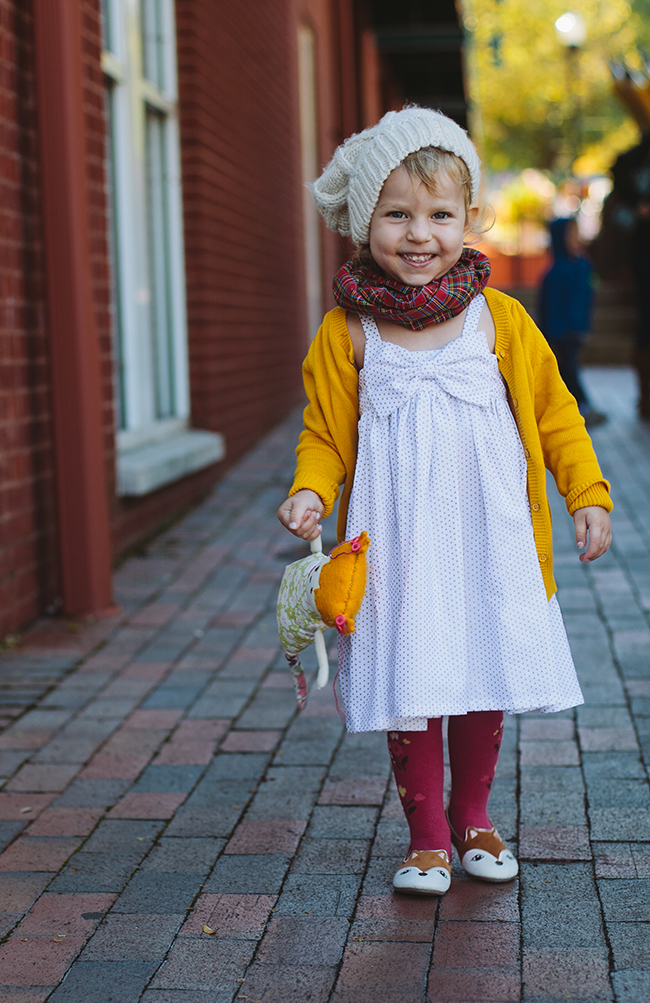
(361, 289)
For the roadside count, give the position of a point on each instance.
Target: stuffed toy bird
(316, 592)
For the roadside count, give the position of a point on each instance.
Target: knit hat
(348, 189)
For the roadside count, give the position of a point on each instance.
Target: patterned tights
(417, 759)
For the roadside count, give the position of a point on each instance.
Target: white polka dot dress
(455, 616)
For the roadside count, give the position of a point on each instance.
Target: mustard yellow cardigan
(550, 426)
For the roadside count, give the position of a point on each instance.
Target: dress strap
(371, 331)
(473, 315)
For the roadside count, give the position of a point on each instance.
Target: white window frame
(132, 97)
(155, 445)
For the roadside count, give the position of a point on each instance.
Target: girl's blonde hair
(426, 165)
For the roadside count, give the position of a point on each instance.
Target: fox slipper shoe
(484, 855)
(423, 872)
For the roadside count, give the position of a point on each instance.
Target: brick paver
(173, 832)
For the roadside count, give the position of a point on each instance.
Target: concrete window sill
(147, 468)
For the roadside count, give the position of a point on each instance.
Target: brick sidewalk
(158, 780)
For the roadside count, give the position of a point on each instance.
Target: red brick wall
(28, 529)
(243, 226)
(28, 567)
(243, 234)
(333, 24)
(242, 202)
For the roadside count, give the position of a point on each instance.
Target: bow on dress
(464, 369)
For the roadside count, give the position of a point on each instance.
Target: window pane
(160, 278)
(151, 27)
(111, 175)
(143, 170)
(107, 16)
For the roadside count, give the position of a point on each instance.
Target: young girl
(437, 407)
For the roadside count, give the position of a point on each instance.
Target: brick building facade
(265, 91)
(28, 529)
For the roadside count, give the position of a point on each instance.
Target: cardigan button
(502, 354)
(542, 557)
(536, 507)
(527, 451)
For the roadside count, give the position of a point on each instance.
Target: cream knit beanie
(348, 189)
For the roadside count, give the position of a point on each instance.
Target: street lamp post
(571, 32)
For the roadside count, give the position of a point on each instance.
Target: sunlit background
(556, 93)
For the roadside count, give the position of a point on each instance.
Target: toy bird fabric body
(316, 592)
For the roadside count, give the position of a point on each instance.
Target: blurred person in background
(631, 174)
(565, 310)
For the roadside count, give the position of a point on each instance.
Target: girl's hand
(594, 521)
(302, 513)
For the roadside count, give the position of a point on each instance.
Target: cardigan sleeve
(566, 445)
(327, 446)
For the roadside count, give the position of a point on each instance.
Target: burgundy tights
(474, 741)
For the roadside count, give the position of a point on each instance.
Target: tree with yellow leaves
(537, 103)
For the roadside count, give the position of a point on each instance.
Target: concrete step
(609, 349)
(612, 339)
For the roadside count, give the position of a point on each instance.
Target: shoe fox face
(426, 872)
(485, 856)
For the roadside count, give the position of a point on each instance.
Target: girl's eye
(397, 214)
(442, 215)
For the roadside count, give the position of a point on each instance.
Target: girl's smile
(416, 235)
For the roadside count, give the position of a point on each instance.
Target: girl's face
(416, 236)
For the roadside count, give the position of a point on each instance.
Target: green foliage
(527, 197)
(539, 104)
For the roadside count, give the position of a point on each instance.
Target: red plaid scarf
(361, 289)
